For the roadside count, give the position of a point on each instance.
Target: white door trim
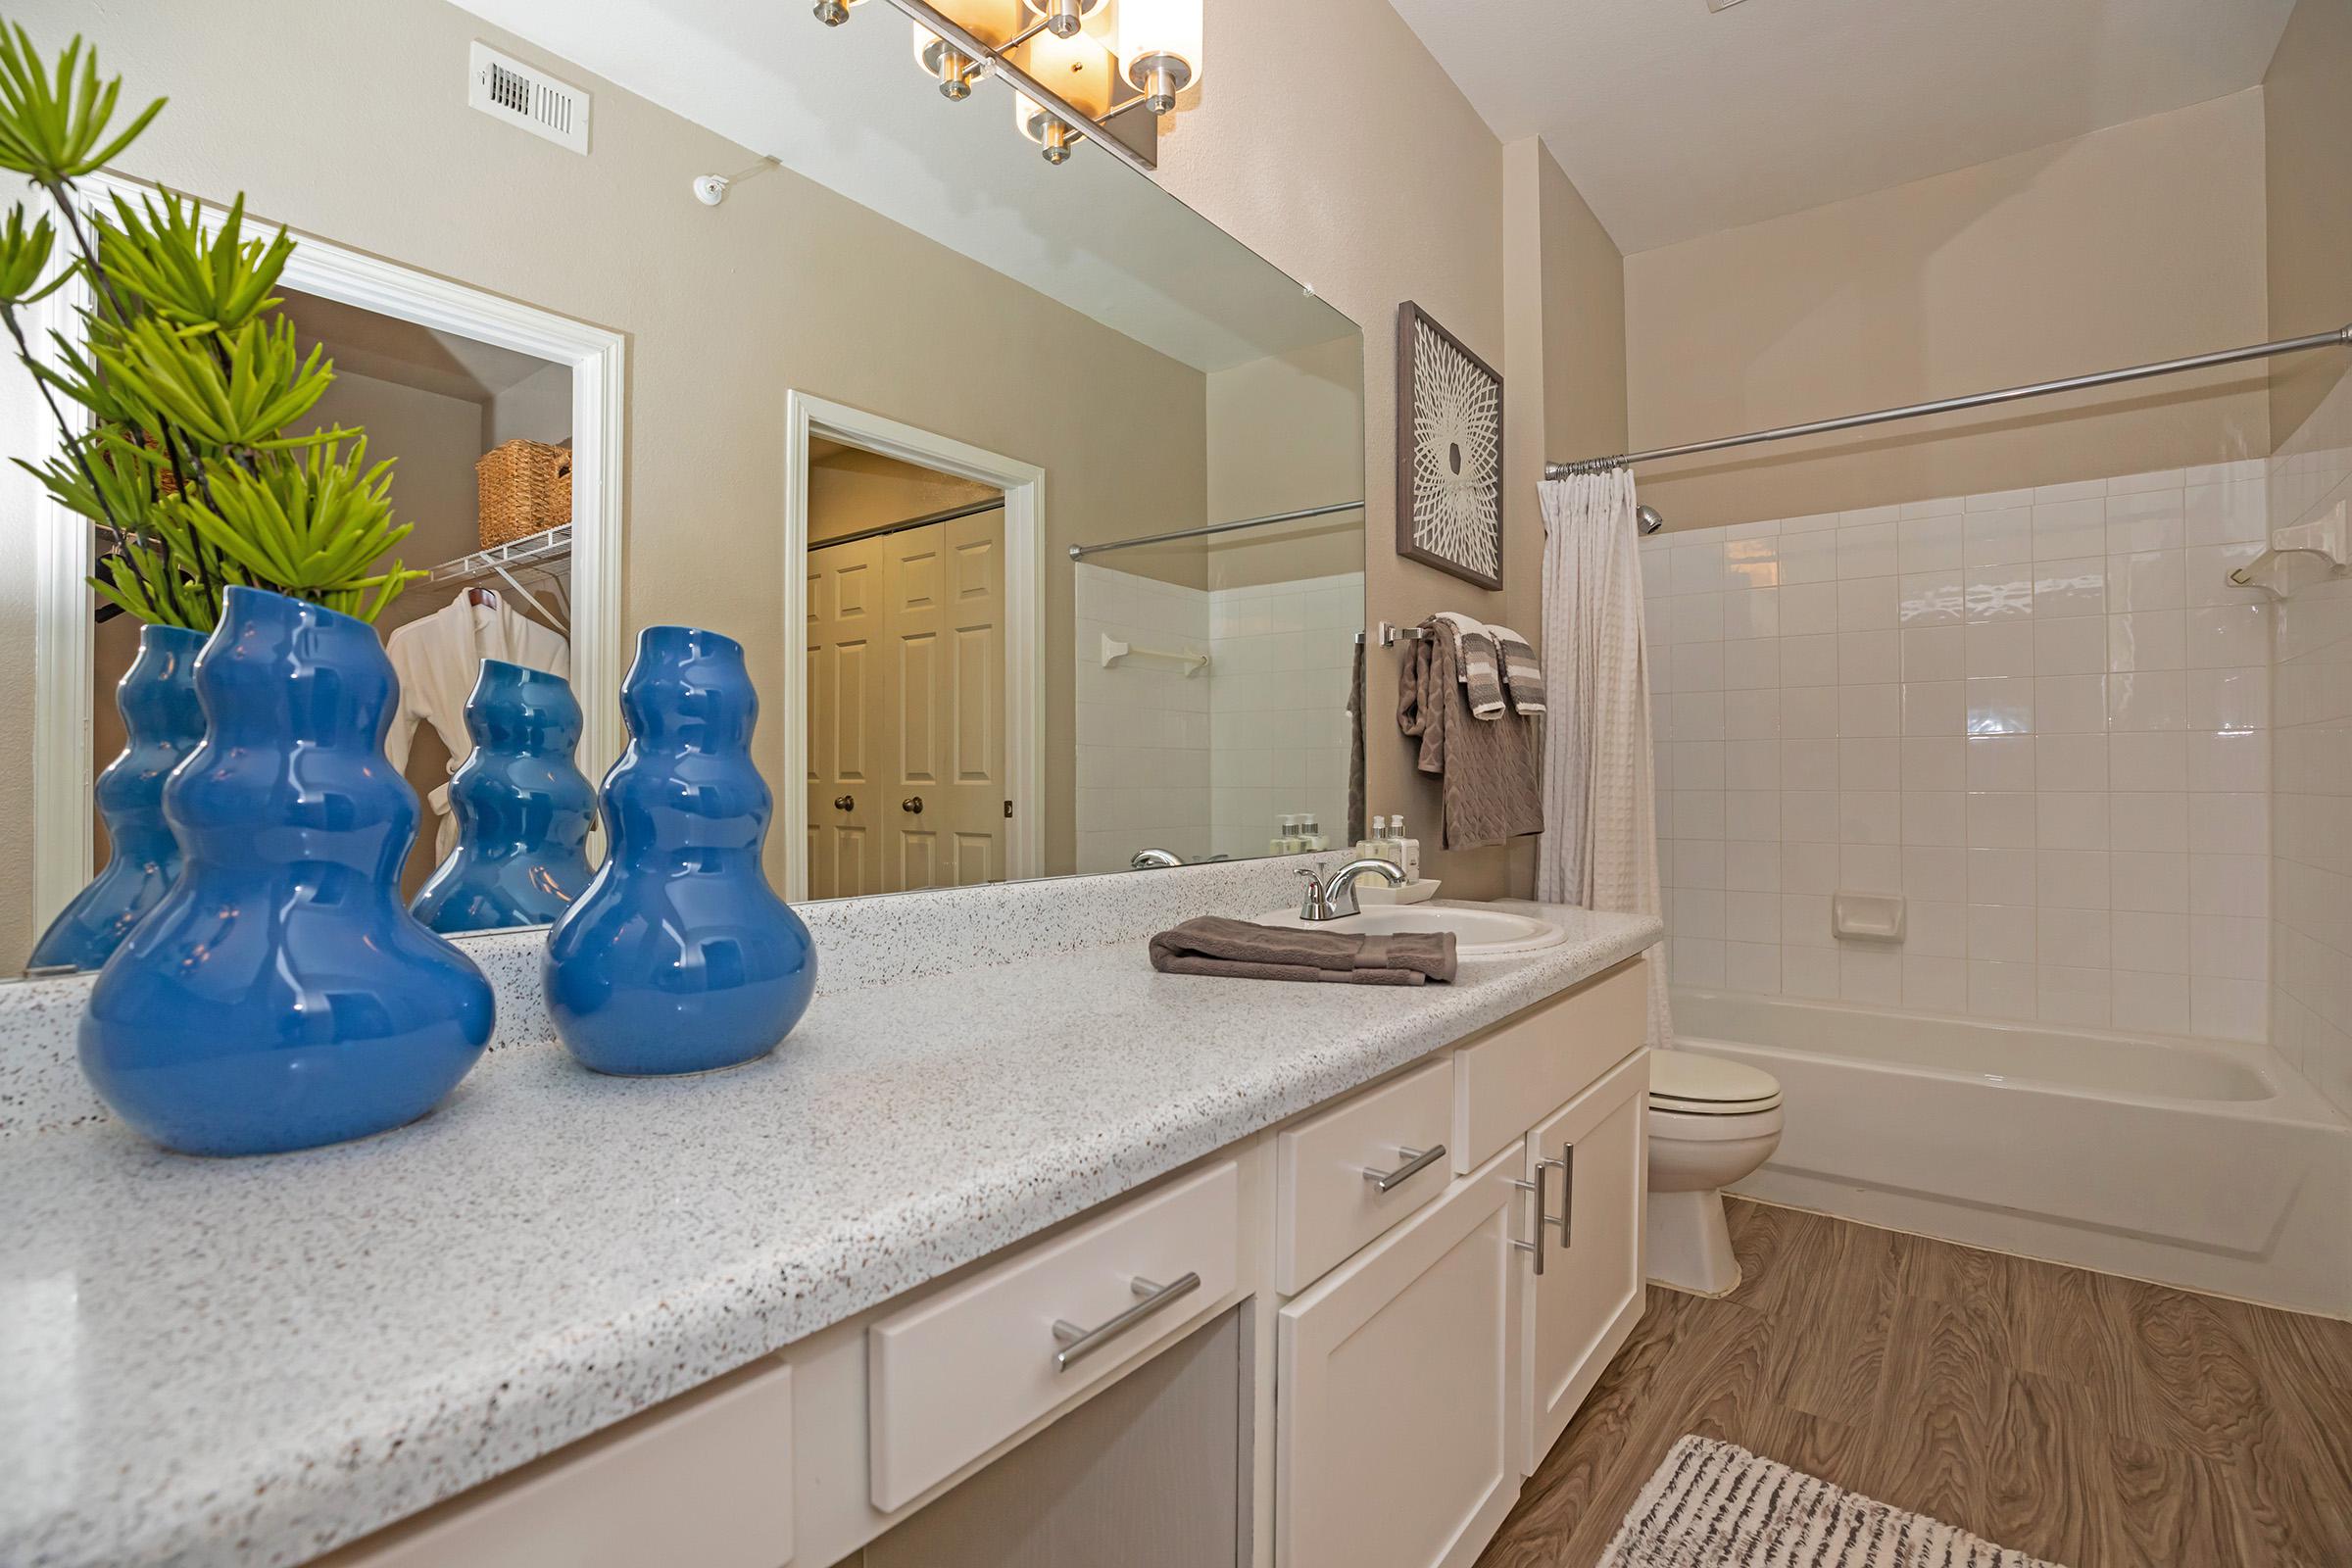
(1024, 487)
(63, 810)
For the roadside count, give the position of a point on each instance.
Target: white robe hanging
(1601, 835)
(438, 659)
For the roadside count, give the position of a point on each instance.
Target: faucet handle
(1311, 907)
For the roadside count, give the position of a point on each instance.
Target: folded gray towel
(1243, 951)
(1475, 661)
(1522, 675)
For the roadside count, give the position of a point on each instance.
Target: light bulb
(1160, 48)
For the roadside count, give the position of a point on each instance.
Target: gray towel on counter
(1494, 776)
(1240, 949)
(1522, 674)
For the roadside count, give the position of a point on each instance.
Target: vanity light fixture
(1160, 49)
(950, 67)
(1051, 133)
(1067, 60)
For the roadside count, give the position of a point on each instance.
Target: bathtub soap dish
(1866, 916)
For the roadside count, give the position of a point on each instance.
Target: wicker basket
(525, 489)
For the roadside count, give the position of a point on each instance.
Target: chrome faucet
(1148, 859)
(1335, 900)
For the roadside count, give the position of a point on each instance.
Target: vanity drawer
(706, 1478)
(1330, 1202)
(1530, 1065)
(951, 1377)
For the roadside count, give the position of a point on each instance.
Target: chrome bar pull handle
(1537, 1230)
(1077, 1344)
(1559, 1220)
(1567, 1196)
(1416, 1160)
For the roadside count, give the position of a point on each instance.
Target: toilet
(1712, 1124)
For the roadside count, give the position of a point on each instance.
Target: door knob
(844, 803)
(912, 802)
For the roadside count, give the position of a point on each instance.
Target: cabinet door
(1593, 1157)
(1399, 1379)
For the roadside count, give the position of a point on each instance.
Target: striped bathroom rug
(1713, 1505)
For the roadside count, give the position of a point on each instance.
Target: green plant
(186, 377)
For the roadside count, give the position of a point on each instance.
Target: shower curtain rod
(2340, 337)
(1081, 552)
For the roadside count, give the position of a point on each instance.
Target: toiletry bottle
(1369, 849)
(1310, 835)
(1408, 849)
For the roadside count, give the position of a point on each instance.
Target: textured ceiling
(1676, 122)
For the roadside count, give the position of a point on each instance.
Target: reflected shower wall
(1205, 762)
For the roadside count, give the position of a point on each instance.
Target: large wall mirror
(947, 434)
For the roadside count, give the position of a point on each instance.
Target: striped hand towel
(1522, 675)
(1474, 656)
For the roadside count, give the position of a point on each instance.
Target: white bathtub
(2209, 1165)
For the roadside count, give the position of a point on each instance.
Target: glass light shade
(1149, 27)
(1028, 119)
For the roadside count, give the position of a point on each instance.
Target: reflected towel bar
(1081, 552)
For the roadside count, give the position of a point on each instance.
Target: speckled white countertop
(252, 1362)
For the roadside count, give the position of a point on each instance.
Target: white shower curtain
(1599, 848)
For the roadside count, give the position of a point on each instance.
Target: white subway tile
(1868, 550)
(2067, 529)
(1809, 609)
(2070, 822)
(2147, 579)
(1934, 984)
(2153, 822)
(1935, 652)
(2071, 880)
(1870, 709)
(1991, 537)
(2151, 1004)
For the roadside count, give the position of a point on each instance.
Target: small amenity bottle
(1368, 848)
(1408, 849)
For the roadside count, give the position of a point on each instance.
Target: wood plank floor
(2094, 1421)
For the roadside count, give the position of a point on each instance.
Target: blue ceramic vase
(680, 958)
(280, 996)
(164, 723)
(522, 809)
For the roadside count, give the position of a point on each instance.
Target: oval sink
(1477, 932)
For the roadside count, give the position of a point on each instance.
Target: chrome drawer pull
(1536, 1230)
(1567, 1196)
(1078, 1343)
(1416, 1160)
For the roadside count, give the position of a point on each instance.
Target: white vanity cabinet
(1358, 1332)
(1592, 1158)
(1398, 1377)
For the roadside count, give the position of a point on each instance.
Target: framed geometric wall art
(1448, 451)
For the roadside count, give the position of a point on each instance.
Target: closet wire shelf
(546, 551)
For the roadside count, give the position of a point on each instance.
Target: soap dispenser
(1408, 849)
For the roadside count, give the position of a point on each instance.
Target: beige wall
(788, 285)
(2307, 103)
(1287, 432)
(2138, 243)
(1584, 321)
(1373, 184)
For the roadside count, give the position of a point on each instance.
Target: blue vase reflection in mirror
(163, 722)
(522, 807)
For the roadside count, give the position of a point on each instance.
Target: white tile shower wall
(1281, 655)
(1207, 765)
(2041, 716)
(2311, 867)
(1142, 733)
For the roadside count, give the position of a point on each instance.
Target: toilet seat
(1685, 1083)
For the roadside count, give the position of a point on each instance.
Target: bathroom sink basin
(1479, 933)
